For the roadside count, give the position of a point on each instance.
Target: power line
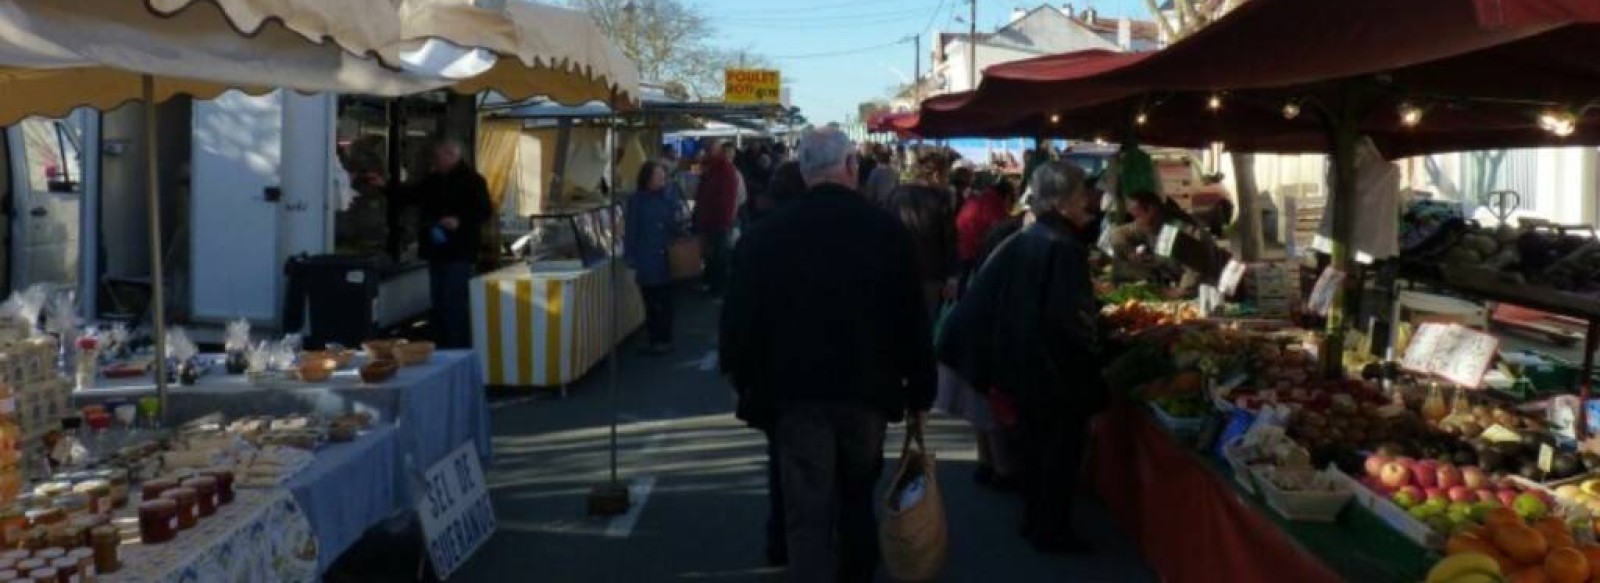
(824, 10)
(890, 15)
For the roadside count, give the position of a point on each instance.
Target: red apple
(1507, 496)
(1416, 493)
(1448, 476)
(1461, 494)
(1373, 484)
(1436, 494)
(1488, 496)
(1394, 476)
(1473, 477)
(1426, 473)
(1375, 464)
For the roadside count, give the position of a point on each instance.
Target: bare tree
(668, 39)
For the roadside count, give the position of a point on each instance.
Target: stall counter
(538, 326)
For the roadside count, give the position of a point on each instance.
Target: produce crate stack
(1277, 288)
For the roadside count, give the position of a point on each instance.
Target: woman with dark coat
(1026, 331)
(653, 218)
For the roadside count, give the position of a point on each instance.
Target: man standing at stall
(825, 338)
(454, 206)
(1135, 255)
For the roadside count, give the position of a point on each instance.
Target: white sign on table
(457, 517)
(1321, 300)
(1166, 239)
(1454, 352)
(1231, 276)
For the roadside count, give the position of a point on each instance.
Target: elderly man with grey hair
(1025, 333)
(454, 206)
(825, 340)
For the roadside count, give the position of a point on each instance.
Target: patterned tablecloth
(262, 537)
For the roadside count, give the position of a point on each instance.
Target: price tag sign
(1547, 455)
(1104, 244)
(1231, 276)
(1453, 352)
(1166, 239)
(1321, 300)
(454, 508)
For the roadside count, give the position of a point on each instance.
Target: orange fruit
(1534, 574)
(1466, 542)
(1521, 543)
(1591, 552)
(1567, 565)
(1501, 516)
(1551, 527)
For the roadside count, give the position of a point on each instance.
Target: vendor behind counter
(1196, 259)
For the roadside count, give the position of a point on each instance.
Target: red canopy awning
(1482, 68)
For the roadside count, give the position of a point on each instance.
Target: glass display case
(570, 238)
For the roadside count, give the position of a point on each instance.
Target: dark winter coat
(825, 305)
(461, 193)
(652, 221)
(1027, 326)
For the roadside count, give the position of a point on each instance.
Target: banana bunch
(1466, 568)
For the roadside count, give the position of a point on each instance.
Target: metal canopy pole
(158, 308)
(612, 497)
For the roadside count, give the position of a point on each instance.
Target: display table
(1193, 523)
(436, 406)
(539, 327)
(262, 537)
(350, 488)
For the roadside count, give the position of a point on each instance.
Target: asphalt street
(698, 479)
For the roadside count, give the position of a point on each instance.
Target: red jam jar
(158, 521)
(186, 499)
(152, 489)
(224, 478)
(206, 494)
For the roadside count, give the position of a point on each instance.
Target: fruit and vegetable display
(1132, 317)
(1544, 255)
(1508, 547)
(1138, 291)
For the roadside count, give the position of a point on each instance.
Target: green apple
(1529, 507)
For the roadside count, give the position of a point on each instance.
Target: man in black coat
(1027, 329)
(825, 339)
(454, 206)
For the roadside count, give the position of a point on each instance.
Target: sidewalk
(699, 482)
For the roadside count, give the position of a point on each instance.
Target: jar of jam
(73, 504)
(107, 548)
(67, 570)
(158, 520)
(12, 522)
(46, 517)
(117, 478)
(206, 494)
(66, 537)
(99, 493)
(186, 500)
(45, 575)
(152, 489)
(36, 538)
(84, 558)
(224, 478)
(27, 566)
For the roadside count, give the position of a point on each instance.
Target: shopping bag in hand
(913, 535)
(683, 258)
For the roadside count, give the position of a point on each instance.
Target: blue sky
(815, 42)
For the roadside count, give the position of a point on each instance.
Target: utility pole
(916, 58)
(972, 46)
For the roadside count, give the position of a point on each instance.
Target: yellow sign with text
(746, 86)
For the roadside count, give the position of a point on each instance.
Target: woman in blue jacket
(654, 218)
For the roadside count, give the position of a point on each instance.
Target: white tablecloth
(262, 537)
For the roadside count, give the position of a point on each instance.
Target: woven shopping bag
(683, 258)
(914, 535)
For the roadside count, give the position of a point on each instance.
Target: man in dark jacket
(716, 204)
(825, 340)
(1026, 328)
(454, 206)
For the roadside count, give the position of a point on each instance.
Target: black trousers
(658, 312)
(1052, 447)
(775, 522)
(717, 246)
(831, 456)
(449, 288)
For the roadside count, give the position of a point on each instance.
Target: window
(55, 161)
